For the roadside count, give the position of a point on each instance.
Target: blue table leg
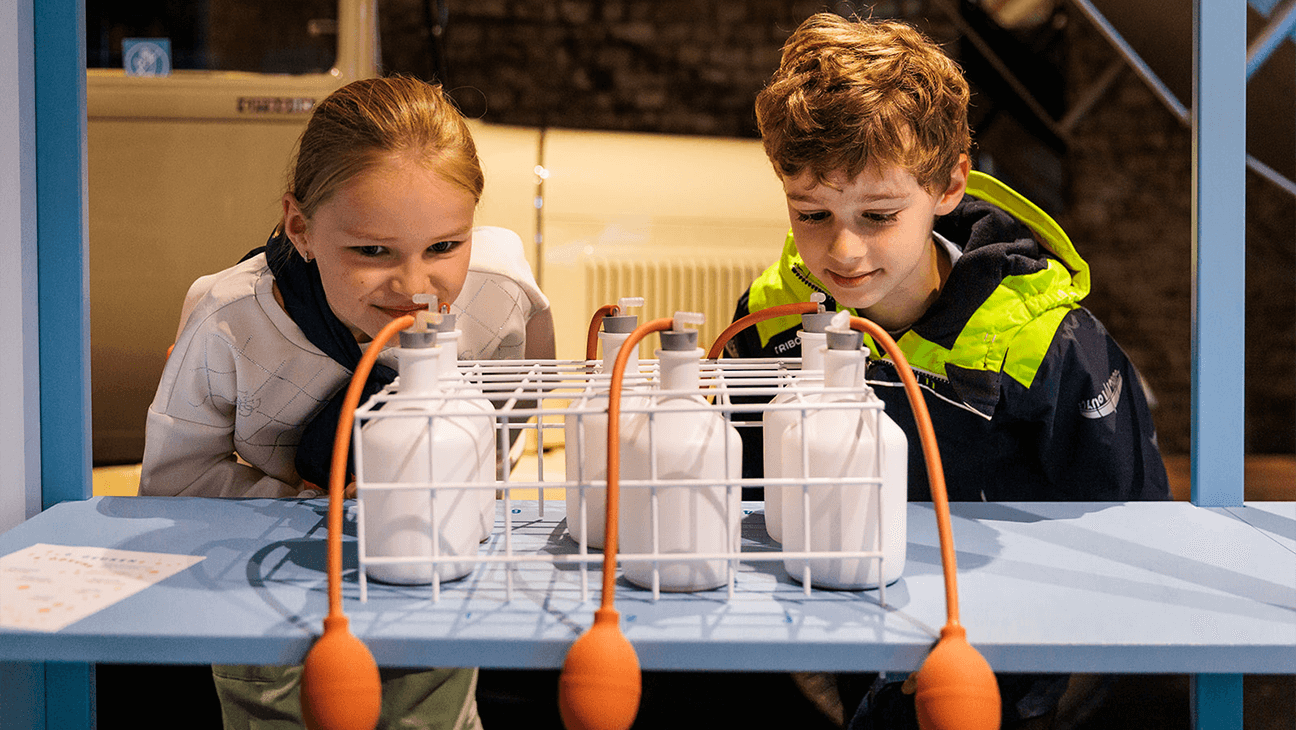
(1217, 701)
(58, 29)
(22, 695)
(69, 696)
(54, 695)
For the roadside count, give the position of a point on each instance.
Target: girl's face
(869, 239)
(389, 233)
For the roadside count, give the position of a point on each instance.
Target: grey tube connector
(816, 322)
(411, 340)
(848, 340)
(621, 324)
(447, 323)
(679, 340)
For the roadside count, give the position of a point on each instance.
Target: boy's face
(869, 239)
(391, 232)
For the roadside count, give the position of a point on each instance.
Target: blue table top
(1139, 587)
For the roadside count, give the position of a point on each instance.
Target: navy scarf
(303, 297)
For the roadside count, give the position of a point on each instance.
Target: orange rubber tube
(738, 325)
(931, 456)
(610, 532)
(340, 686)
(591, 336)
(926, 433)
(341, 446)
(955, 687)
(600, 684)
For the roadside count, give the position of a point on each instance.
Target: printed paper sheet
(47, 587)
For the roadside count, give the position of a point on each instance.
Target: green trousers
(267, 698)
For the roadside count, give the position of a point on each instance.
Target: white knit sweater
(243, 380)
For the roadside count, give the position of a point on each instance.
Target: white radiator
(708, 285)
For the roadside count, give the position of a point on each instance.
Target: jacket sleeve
(1093, 428)
(746, 342)
(189, 432)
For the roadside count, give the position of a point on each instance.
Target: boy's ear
(957, 185)
(294, 225)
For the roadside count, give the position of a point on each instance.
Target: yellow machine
(185, 175)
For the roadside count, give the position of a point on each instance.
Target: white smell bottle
(436, 443)
(687, 442)
(462, 397)
(585, 435)
(844, 443)
(775, 422)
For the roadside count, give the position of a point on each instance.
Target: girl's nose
(410, 279)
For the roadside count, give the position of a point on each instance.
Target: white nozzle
(624, 302)
(819, 298)
(840, 322)
(422, 319)
(682, 318)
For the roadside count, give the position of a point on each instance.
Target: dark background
(1119, 182)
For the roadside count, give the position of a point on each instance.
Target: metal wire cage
(552, 402)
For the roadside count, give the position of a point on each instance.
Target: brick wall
(694, 67)
(1130, 213)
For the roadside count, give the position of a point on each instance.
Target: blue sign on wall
(146, 56)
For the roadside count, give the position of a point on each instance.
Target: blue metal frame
(63, 282)
(1281, 23)
(22, 695)
(63, 242)
(1219, 294)
(1217, 702)
(1218, 300)
(1219, 252)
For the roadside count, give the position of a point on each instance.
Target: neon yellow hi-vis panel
(1023, 311)
(984, 187)
(772, 288)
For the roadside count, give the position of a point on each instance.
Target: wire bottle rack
(540, 400)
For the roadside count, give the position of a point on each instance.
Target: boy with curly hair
(866, 125)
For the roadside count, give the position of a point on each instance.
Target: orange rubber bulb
(955, 687)
(600, 683)
(340, 687)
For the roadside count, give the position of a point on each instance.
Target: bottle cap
(848, 340)
(447, 323)
(414, 340)
(840, 335)
(422, 333)
(620, 324)
(816, 322)
(677, 338)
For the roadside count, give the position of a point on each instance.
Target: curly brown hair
(850, 93)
